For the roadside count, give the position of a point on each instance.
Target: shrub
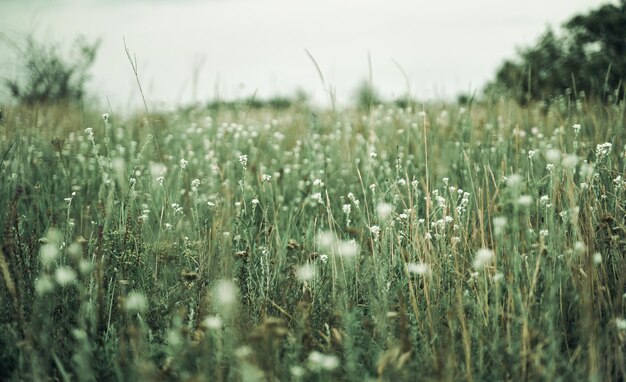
(50, 77)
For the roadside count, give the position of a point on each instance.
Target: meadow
(431, 242)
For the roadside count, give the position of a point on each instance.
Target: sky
(194, 51)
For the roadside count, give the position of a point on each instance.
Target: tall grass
(445, 243)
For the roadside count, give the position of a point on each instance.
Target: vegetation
(447, 243)
(49, 77)
(588, 58)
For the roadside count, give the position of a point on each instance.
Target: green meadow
(438, 241)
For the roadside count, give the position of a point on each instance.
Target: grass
(445, 243)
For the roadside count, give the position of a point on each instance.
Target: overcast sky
(239, 47)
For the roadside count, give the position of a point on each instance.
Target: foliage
(49, 77)
(484, 242)
(589, 57)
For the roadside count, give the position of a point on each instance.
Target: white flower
(64, 276)
(135, 302)
(183, 163)
(267, 178)
(347, 249)
(514, 180)
(483, 257)
(346, 209)
(597, 258)
(48, 254)
(421, 269)
(576, 128)
(212, 322)
(305, 272)
(603, 149)
(105, 117)
(243, 159)
(323, 258)
(318, 360)
(375, 230)
(225, 293)
(44, 285)
(525, 200)
(318, 183)
(383, 210)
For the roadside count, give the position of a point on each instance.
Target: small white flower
(375, 230)
(212, 322)
(318, 183)
(383, 210)
(135, 302)
(525, 200)
(421, 269)
(183, 163)
(347, 249)
(225, 293)
(576, 128)
(597, 258)
(323, 258)
(243, 159)
(483, 257)
(267, 178)
(305, 272)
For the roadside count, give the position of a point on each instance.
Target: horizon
(201, 51)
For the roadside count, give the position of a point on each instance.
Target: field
(438, 242)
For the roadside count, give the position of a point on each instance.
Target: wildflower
(553, 156)
(603, 150)
(525, 200)
(498, 276)
(105, 117)
(347, 249)
(183, 163)
(570, 161)
(383, 210)
(243, 160)
(531, 154)
(212, 322)
(255, 202)
(266, 177)
(318, 360)
(375, 230)
(346, 209)
(421, 269)
(135, 302)
(225, 293)
(499, 222)
(483, 257)
(597, 258)
(44, 285)
(48, 254)
(89, 132)
(544, 233)
(305, 272)
(318, 183)
(323, 258)
(514, 180)
(297, 371)
(620, 323)
(576, 128)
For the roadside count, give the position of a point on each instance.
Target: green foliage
(366, 96)
(589, 57)
(48, 77)
(484, 242)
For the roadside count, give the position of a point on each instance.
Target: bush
(48, 77)
(589, 56)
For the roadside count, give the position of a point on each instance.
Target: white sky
(444, 46)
